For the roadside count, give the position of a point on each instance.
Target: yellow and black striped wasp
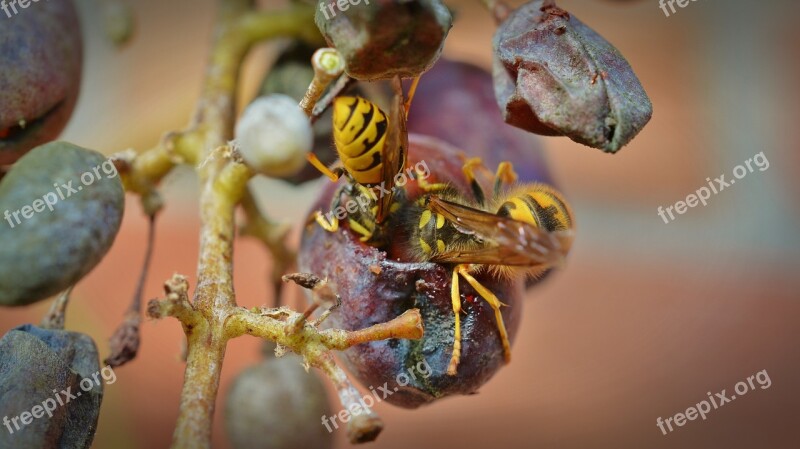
(520, 230)
(372, 150)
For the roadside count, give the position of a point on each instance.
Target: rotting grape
(45, 251)
(40, 76)
(376, 286)
(556, 76)
(385, 38)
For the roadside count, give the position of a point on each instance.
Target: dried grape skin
(52, 250)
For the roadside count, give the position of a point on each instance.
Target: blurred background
(645, 320)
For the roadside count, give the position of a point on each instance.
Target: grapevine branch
(212, 317)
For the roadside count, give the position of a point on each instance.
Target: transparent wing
(509, 242)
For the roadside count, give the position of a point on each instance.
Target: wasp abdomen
(540, 206)
(359, 132)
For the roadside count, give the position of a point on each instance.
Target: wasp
(520, 230)
(372, 149)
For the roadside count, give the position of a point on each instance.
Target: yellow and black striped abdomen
(538, 205)
(359, 132)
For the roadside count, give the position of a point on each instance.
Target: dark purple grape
(376, 286)
(51, 388)
(40, 74)
(384, 38)
(455, 102)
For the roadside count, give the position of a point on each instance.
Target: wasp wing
(394, 152)
(508, 242)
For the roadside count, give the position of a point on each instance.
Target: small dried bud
(274, 136)
(556, 76)
(119, 21)
(383, 38)
(47, 374)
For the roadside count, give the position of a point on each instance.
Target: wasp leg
(334, 174)
(455, 296)
(333, 224)
(505, 175)
(490, 297)
(360, 229)
(469, 173)
(411, 91)
(430, 187)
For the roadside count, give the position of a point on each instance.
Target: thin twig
(273, 236)
(342, 84)
(55, 317)
(328, 65)
(125, 341)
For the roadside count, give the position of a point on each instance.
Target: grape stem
(212, 317)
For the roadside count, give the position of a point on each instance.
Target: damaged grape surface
(40, 76)
(376, 286)
(556, 76)
(50, 250)
(384, 38)
(33, 363)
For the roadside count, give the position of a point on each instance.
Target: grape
(268, 402)
(33, 363)
(46, 251)
(385, 38)
(556, 76)
(40, 75)
(377, 286)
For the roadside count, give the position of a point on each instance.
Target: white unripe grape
(274, 136)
